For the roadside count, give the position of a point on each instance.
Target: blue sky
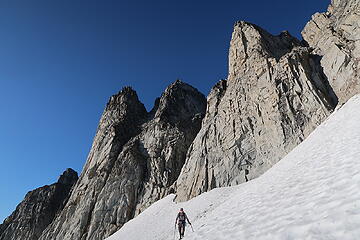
(60, 61)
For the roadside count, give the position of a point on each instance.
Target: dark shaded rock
(135, 159)
(120, 121)
(38, 209)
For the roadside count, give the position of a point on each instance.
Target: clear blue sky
(60, 61)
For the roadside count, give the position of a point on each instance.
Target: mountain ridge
(278, 90)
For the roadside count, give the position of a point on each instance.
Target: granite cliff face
(135, 158)
(38, 209)
(278, 90)
(275, 95)
(335, 35)
(120, 122)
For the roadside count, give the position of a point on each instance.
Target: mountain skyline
(64, 61)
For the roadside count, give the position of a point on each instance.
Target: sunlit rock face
(335, 35)
(276, 94)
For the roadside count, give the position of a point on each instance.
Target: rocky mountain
(38, 209)
(278, 90)
(275, 96)
(135, 158)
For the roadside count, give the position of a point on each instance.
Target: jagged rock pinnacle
(135, 158)
(275, 95)
(69, 177)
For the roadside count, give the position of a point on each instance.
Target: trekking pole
(192, 228)
(174, 230)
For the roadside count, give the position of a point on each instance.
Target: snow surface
(312, 193)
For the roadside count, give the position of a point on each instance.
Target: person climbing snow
(181, 222)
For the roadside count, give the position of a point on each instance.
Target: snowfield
(312, 193)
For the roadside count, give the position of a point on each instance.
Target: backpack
(181, 216)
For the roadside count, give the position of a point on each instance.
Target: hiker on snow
(180, 220)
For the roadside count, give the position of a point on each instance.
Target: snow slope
(313, 193)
